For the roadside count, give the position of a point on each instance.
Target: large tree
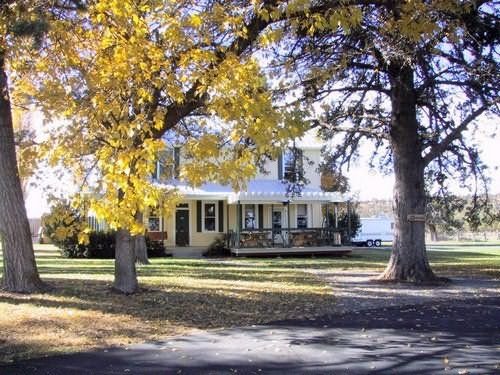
(412, 77)
(20, 273)
(129, 77)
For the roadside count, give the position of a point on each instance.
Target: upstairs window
(293, 165)
(168, 165)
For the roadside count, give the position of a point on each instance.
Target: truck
(374, 231)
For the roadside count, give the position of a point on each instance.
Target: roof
(258, 191)
(309, 141)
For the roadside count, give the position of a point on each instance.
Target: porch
(277, 251)
(284, 238)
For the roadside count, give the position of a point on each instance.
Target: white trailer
(374, 230)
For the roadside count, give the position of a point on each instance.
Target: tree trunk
(20, 273)
(140, 249)
(408, 260)
(125, 275)
(433, 232)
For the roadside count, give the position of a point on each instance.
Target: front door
(182, 227)
(277, 221)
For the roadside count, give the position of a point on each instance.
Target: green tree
(411, 77)
(443, 214)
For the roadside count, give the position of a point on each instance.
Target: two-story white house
(263, 215)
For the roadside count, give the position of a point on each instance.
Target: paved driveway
(460, 336)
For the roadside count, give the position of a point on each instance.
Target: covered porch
(267, 218)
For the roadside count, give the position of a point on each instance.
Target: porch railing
(286, 237)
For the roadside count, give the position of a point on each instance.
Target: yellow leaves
(271, 36)
(205, 147)
(83, 238)
(114, 75)
(195, 20)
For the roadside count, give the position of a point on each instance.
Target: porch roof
(258, 191)
(270, 191)
(205, 191)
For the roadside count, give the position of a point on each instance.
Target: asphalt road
(456, 337)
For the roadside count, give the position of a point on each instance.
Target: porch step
(275, 251)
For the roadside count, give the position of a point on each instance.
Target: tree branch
(439, 148)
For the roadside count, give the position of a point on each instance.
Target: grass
(81, 312)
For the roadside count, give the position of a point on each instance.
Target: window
(250, 222)
(293, 165)
(302, 216)
(209, 217)
(153, 224)
(167, 166)
(177, 157)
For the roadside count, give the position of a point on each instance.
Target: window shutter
(177, 157)
(261, 216)
(155, 173)
(280, 167)
(221, 216)
(198, 216)
(161, 172)
(239, 214)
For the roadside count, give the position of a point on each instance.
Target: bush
(218, 248)
(156, 249)
(102, 246)
(62, 226)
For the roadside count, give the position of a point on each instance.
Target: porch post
(328, 224)
(336, 218)
(272, 224)
(227, 225)
(238, 229)
(288, 223)
(336, 214)
(349, 222)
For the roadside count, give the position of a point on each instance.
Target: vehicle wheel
(378, 243)
(369, 243)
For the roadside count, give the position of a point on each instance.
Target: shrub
(102, 246)
(218, 248)
(155, 248)
(62, 225)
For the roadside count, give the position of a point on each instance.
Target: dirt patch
(356, 290)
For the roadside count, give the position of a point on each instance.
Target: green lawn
(447, 258)
(81, 312)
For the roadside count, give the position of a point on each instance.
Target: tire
(377, 243)
(369, 243)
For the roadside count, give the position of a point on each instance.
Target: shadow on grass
(192, 307)
(227, 273)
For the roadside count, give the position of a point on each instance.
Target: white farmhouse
(262, 216)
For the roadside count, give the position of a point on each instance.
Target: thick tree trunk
(20, 273)
(140, 249)
(125, 275)
(408, 260)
